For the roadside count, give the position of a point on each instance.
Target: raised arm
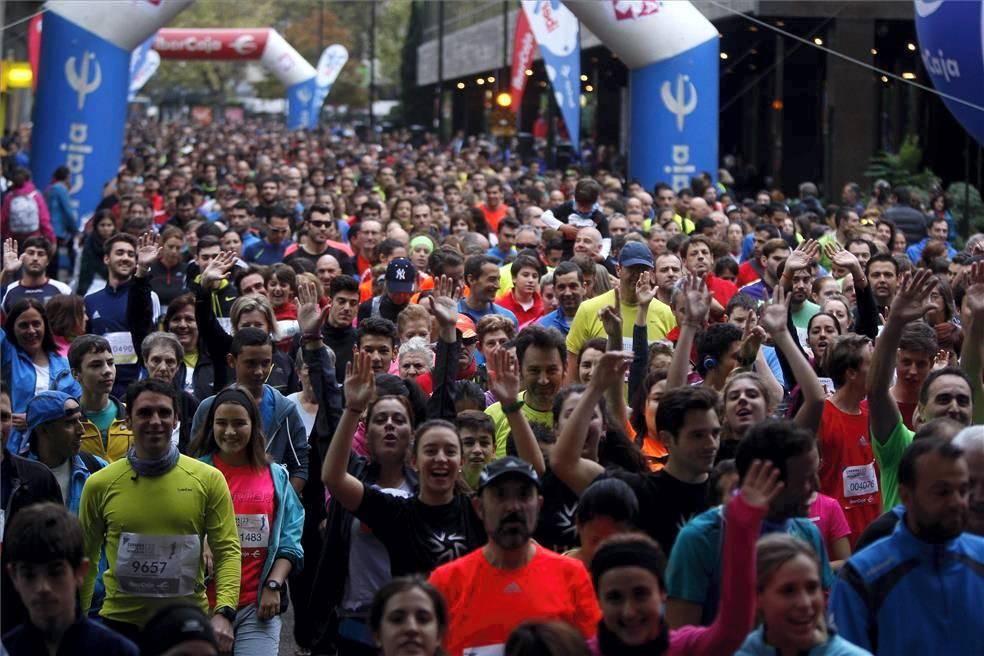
(972, 353)
(565, 459)
(360, 385)
(910, 304)
(611, 319)
(216, 341)
(867, 319)
(321, 373)
(504, 382)
(640, 332)
(773, 320)
(139, 306)
(736, 608)
(443, 306)
(698, 302)
(11, 261)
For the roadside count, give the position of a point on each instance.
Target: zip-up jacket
(80, 473)
(286, 438)
(19, 377)
(30, 482)
(902, 595)
(118, 436)
(107, 311)
(288, 522)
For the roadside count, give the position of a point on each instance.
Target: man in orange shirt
(494, 209)
(511, 579)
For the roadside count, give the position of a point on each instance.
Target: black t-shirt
(555, 529)
(666, 504)
(878, 529)
(344, 261)
(419, 537)
(387, 308)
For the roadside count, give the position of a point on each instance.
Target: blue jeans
(255, 637)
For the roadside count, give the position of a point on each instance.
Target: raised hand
(698, 300)
(11, 260)
(504, 380)
(912, 298)
(310, 317)
(752, 337)
(218, 269)
(775, 311)
(360, 382)
(645, 288)
(803, 256)
(611, 317)
(761, 484)
(443, 303)
(842, 257)
(148, 249)
(610, 369)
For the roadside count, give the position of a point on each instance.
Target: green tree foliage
(345, 22)
(903, 167)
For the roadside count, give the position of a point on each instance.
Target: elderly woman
(163, 357)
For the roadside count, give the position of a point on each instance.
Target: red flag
(524, 46)
(34, 47)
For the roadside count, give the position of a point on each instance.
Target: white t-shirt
(42, 377)
(63, 474)
(306, 417)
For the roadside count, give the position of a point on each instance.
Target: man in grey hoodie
(251, 358)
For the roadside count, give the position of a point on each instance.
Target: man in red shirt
(494, 209)
(512, 579)
(524, 299)
(848, 471)
(698, 259)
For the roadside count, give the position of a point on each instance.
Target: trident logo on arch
(677, 104)
(78, 76)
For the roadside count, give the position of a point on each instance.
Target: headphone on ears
(710, 363)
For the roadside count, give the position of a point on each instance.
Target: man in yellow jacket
(152, 511)
(105, 433)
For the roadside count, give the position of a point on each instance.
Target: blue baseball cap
(634, 254)
(401, 276)
(46, 407)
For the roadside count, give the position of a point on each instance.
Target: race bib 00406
(158, 565)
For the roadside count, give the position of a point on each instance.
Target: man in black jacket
(23, 483)
(338, 332)
(905, 217)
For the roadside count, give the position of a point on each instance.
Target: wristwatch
(226, 612)
(276, 586)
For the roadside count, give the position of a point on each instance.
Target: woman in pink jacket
(628, 569)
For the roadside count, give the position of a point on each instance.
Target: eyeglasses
(532, 245)
(319, 224)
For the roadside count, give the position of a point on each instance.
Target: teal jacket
(288, 523)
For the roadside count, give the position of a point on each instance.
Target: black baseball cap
(511, 467)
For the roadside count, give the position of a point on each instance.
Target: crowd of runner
(442, 399)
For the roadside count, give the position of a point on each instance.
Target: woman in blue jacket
(31, 364)
(791, 603)
(269, 517)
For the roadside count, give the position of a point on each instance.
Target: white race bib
(254, 531)
(487, 650)
(860, 481)
(827, 384)
(158, 565)
(122, 345)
